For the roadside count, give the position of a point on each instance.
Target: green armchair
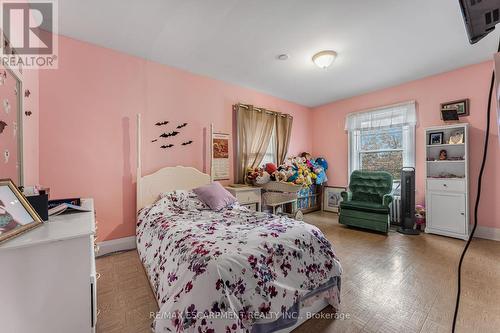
(366, 205)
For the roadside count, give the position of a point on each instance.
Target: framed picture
(16, 214)
(332, 198)
(462, 107)
(456, 138)
(436, 138)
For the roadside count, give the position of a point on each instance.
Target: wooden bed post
(139, 164)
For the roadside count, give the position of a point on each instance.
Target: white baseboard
(487, 233)
(114, 245)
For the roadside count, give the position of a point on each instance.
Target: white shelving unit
(447, 183)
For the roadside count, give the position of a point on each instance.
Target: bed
(234, 270)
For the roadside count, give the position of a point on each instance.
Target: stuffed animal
(270, 168)
(280, 176)
(263, 178)
(420, 216)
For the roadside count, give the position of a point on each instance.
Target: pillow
(182, 199)
(215, 196)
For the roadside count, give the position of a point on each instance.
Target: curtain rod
(247, 106)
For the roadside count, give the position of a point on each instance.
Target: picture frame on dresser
(17, 216)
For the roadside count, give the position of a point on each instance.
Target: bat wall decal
(3, 124)
(167, 135)
(161, 123)
(154, 140)
(187, 143)
(28, 113)
(182, 125)
(167, 146)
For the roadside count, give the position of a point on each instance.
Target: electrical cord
(478, 196)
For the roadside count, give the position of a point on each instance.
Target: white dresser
(247, 196)
(447, 182)
(48, 277)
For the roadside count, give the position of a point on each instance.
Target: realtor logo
(29, 33)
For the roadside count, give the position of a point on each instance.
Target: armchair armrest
(387, 199)
(346, 195)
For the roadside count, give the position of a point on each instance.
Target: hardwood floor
(390, 283)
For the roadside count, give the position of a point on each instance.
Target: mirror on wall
(10, 127)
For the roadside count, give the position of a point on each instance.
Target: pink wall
(87, 129)
(330, 139)
(31, 156)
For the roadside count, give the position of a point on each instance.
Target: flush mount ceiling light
(324, 59)
(282, 57)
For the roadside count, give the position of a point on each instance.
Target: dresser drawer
(447, 185)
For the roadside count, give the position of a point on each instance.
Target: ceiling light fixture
(282, 57)
(324, 59)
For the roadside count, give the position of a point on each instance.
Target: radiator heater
(408, 202)
(395, 210)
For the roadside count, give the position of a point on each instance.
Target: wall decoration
(187, 143)
(220, 156)
(6, 105)
(181, 126)
(28, 113)
(154, 140)
(16, 214)
(332, 198)
(436, 138)
(3, 124)
(6, 156)
(167, 135)
(161, 123)
(27, 93)
(462, 107)
(167, 146)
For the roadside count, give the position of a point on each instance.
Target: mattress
(233, 270)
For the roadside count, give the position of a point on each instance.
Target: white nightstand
(247, 196)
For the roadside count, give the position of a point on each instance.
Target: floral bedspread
(230, 270)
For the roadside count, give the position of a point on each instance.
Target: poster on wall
(220, 156)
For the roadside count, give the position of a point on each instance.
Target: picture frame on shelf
(461, 105)
(332, 198)
(16, 214)
(436, 138)
(456, 138)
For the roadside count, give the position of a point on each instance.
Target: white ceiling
(381, 43)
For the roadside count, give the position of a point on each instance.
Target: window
(270, 156)
(382, 139)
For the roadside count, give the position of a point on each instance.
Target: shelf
(447, 145)
(447, 161)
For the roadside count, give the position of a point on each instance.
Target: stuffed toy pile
(300, 170)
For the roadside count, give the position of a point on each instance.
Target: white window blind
(397, 115)
(382, 139)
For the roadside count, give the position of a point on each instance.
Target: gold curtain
(283, 132)
(254, 128)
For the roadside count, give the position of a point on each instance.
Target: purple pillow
(215, 196)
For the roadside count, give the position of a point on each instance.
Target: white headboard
(164, 180)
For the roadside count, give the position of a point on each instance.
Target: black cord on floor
(478, 196)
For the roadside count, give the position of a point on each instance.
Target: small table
(247, 196)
